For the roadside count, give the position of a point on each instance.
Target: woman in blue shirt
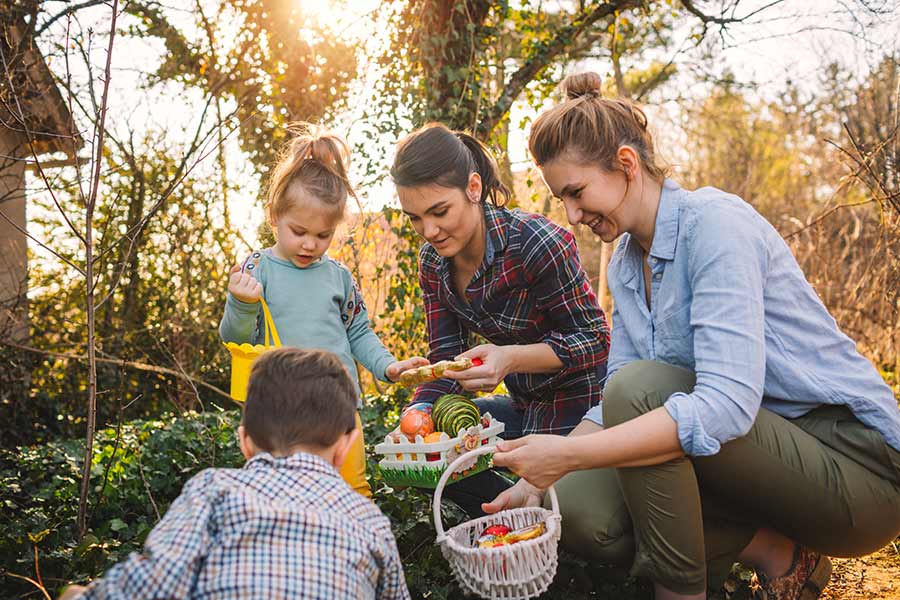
(738, 422)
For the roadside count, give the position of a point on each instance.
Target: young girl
(314, 300)
(738, 422)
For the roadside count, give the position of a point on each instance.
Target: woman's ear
(629, 161)
(473, 188)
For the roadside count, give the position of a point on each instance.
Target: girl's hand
(496, 363)
(541, 459)
(244, 286)
(394, 369)
(520, 495)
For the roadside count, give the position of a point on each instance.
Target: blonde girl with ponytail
(313, 298)
(738, 423)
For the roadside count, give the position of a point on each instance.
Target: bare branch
(90, 309)
(723, 20)
(543, 57)
(31, 581)
(42, 244)
(31, 137)
(123, 363)
(69, 10)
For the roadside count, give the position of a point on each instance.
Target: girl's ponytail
(317, 161)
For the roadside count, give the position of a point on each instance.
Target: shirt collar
(496, 234)
(314, 264)
(297, 461)
(665, 234)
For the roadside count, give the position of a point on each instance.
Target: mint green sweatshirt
(316, 307)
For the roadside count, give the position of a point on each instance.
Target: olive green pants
(824, 480)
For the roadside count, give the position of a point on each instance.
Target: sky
(792, 40)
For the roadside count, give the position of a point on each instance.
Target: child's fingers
(235, 269)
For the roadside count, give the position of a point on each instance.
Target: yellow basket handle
(269, 326)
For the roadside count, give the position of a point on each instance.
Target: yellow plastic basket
(243, 355)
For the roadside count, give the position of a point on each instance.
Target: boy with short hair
(285, 525)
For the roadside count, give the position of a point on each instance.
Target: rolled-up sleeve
(579, 336)
(727, 271)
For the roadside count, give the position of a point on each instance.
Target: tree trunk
(90, 285)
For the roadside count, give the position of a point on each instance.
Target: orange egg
(416, 422)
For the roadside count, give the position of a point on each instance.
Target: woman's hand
(244, 286)
(496, 363)
(541, 459)
(394, 369)
(519, 495)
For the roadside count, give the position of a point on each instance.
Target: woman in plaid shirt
(514, 279)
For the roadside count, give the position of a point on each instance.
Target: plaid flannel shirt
(530, 288)
(285, 527)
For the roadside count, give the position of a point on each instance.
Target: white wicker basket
(513, 572)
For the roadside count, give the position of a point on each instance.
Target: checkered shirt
(530, 288)
(285, 527)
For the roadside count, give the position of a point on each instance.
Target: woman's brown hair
(316, 160)
(435, 155)
(593, 128)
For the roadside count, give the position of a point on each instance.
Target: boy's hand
(71, 592)
(394, 369)
(244, 286)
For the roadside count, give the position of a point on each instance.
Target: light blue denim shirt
(729, 302)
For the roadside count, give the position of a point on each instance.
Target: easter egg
(424, 407)
(415, 422)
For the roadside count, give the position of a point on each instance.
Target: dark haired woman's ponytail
(436, 155)
(486, 167)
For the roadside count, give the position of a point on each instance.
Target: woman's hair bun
(579, 85)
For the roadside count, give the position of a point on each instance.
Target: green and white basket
(418, 464)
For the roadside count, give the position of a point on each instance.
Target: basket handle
(269, 326)
(438, 491)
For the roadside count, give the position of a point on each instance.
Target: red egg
(415, 422)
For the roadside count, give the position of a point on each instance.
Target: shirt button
(658, 276)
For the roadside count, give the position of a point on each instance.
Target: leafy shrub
(140, 467)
